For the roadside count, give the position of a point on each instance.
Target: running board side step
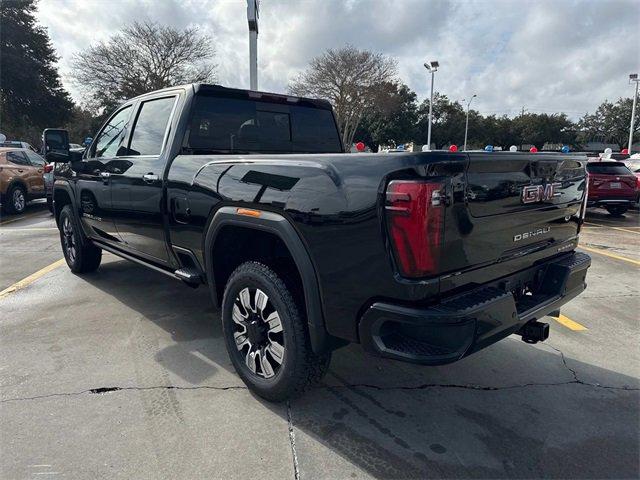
(190, 276)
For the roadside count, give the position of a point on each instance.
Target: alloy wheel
(258, 332)
(18, 200)
(68, 239)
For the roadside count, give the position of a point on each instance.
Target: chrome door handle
(150, 178)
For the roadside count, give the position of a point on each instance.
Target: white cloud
(563, 55)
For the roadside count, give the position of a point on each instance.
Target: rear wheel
(16, 200)
(617, 210)
(266, 336)
(81, 255)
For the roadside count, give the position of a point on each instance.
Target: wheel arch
(272, 224)
(61, 197)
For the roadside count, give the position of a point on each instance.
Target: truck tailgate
(514, 205)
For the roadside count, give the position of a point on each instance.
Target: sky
(545, 56)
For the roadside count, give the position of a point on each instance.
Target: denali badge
(540, 193)
(533, 233)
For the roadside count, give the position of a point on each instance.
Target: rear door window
(35, 159)
(150, 128)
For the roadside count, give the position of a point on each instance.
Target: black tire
(299, 367)
(617, 210)
(16, 200)
(81, 255)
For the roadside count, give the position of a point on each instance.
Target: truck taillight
(415, 221)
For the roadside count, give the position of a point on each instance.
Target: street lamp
(633, 78)
(466, 126)
(252, 19)
(432, 67)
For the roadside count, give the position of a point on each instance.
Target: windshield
(608, 168)
(228, 125)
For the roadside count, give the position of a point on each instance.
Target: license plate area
(615, 185)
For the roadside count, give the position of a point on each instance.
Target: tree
(392, 119)
(143, 57)
(538, 129)
(610, 122)
(31, 94)
(448, 122)
(350, 79)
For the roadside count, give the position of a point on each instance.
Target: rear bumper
(461, 325)
(597, 202)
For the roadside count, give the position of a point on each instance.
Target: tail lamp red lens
(48, 168)
(415, 221)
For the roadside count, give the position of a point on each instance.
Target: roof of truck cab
(242, 93)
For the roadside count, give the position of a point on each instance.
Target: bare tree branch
(350, 79)
(143, 57)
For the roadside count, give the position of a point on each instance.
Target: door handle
(150, 178)
(20, 171)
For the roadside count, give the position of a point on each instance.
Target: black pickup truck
(421, 257)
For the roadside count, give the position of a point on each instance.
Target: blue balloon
(565, 149)
(488, 148)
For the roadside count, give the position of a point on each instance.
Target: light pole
(466, 125)
(431, 67)
(633, 78)
(252, 18)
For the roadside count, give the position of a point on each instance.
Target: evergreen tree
(31, 94)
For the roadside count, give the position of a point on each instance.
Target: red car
(611, 186)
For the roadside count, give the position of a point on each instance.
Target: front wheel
(81, 255)
(617, 210)
(16, 200)
(266, 336)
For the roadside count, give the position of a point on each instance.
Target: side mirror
(56, 145)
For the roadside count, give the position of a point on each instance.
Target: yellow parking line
(613, 228)
(607, 254)
(570, 324)
(25, 282)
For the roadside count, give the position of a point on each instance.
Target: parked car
(423, 257)
(21, 178)
(611, 186)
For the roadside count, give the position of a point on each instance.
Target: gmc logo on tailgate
(540, 193)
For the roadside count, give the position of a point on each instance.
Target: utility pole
(633, 78)
(252, 18)
(432, 67)
(466, 125)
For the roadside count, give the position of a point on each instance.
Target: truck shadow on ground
(509, 411)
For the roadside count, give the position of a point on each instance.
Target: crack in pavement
(292, 442)
(103, 390)
(424, 386)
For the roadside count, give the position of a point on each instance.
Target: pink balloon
(533, 150)
(625, 151)
(453, 148)
(360, 147)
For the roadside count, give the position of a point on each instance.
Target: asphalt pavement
(123, 373)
